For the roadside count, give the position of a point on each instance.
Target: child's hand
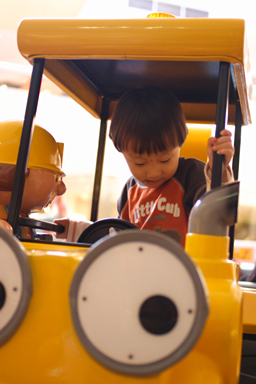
(223, 146)
(65, 223)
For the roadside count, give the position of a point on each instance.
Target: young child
(148, 127)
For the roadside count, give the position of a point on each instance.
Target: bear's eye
(138, 303)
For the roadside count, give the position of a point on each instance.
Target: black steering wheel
(101, 228)
(39, 224)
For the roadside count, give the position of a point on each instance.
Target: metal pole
(235, 166)
(100, 160)
(221, 120)
(237, 140)
(25, 142)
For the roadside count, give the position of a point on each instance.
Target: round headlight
(138, 303)
(15, 285)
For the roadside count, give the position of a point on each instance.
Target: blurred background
(59, 114)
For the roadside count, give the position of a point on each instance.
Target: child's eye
(139, 165)
(165, 161)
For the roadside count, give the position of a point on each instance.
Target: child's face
(154, 169)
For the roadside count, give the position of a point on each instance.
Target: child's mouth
(153, 183)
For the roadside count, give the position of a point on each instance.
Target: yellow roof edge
(74, 37)
(134, 39)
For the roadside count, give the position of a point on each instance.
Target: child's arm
(223, 146)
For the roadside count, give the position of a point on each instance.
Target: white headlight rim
(163, 241)
(16, 248)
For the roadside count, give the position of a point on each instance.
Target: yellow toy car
(133, 307)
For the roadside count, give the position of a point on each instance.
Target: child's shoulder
(130, 182)
(190, 169)
(190, 163)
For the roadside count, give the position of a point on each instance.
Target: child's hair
(148, 119)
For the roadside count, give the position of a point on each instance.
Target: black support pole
(221, 120)
(25, 142)
(237, 140)
(235, 166)
(100, 160)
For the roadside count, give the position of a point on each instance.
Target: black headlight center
(158, 315)
(2, 295)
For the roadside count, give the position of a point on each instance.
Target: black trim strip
(221, 119)
(100, 160)
(25, 142)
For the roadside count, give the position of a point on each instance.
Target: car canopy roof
(95, 59)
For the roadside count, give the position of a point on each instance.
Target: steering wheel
(101, 228)
(39, 224)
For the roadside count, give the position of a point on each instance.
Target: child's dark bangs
(150, 140)
(148, 120)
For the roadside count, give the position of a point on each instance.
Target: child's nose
(153, 172)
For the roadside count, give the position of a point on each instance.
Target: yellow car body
(46, 346)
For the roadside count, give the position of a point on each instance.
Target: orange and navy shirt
(166, 208)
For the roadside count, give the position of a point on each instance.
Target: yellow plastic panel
(149, 40)
(179, 39)
(46, 349)
(196, 144)
(195, 113)
(205, 113)
(74, 85)
(222, 338)
(249, 310)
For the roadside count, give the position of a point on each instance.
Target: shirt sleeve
(75, 229)
(123, 198)
(190, 175)
(208, 176)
